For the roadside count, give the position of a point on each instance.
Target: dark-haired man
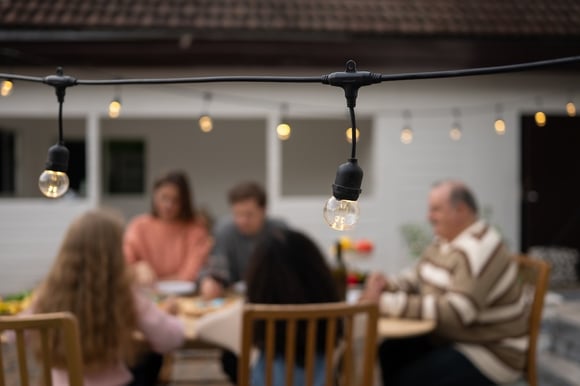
(467, 282)
(235, 241)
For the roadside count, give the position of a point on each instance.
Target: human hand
(143, 274)
(374, 286)
(170, 305)
(210, 288)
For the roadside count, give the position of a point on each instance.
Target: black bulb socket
(57, 158)
(348, 181)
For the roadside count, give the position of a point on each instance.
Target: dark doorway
(77, 166)
(7, 163)
(550, 182)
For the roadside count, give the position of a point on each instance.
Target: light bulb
(349, 135)
(407, 135)
(540, 118)
(6, 87)
(499, 126)
(341, 215)
(53, 184)
(455, 133)
(205, 123)
(571, 109)
(114, 108)
(283, 130)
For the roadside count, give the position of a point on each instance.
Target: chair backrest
(27, 327)
(534, 274)
(344, 345)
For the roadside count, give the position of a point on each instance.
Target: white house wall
(400, 175)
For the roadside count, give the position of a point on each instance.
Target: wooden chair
(535, 274)
(43, 325)
(336, 316)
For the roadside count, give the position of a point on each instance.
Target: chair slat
(46, 361)
(329, 350)
(1, 361)
(348, 349)
(310, 351)
(270, 346)
(22, 364)
(290, 351)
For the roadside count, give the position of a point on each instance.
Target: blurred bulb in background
(571, 109)
(283, 130)
(540, 118)
(499, 126)
(6, 88)
(115, 108)
(407, 135)
(205, 123)
(349, 135)
(455, 133)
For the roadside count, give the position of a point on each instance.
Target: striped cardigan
(470, 287)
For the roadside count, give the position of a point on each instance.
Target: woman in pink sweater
(89, 279)
(170, 243)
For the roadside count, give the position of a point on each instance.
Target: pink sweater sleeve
(163, 331)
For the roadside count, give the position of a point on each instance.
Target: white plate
(175, 287)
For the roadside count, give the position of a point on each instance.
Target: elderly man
(466, 282)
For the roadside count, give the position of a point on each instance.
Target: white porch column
(93, 143)
(273, 162)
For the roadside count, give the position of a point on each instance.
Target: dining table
(191, 308)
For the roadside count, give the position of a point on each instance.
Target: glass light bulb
(53, 184)
(540, 118)
(499, 126)
(283, 130)
(205, 123)
(114, 109)
(455, 133)
(6, 87)
(349, 135)
(341, 215)
(407, 135)
(571, 109)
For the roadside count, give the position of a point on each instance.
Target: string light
(205, 122)
(406, 133)
(283, 130)
(570, 106)
(540, 116)
(499, 123)
(6, 88)
(455, 131)
(349, 135)
(115, 108)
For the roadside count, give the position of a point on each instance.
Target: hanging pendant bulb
(115, 108)
(6, 87)
(540, 115)
(54, 182)
(571, 109)
(499, 123)
(455, 131)
(283, 130)
(349, 135)
(406, 135)
(540, 118)
(205, 123)
(341, 211)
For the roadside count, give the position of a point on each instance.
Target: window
(7, 163)
(124, 166)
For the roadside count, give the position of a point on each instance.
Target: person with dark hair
(236, 238)
(286, 268)
(172, 242)
(468, 283)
